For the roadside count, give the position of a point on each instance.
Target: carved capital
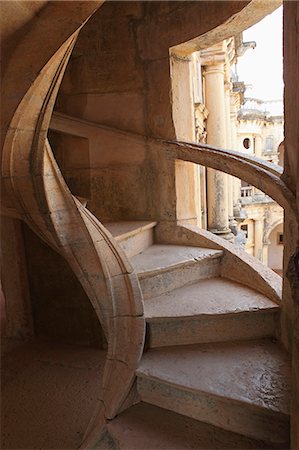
(213, 58)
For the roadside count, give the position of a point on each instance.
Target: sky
(262, 67)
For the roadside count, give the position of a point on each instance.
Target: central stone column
(258, 146)
(258, 239)
(230, 180)
(234, 107)
(216, 135)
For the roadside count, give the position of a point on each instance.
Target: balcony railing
(246, 191)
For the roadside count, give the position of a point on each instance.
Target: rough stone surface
(209, 311)
(242, 387)
(134, 237)
(213, 296)
(129, 93)
(237, 265)
(49, 393)
(152, 428)
(161, 257)
(162, 268)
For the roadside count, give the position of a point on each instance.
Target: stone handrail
(259, 173)
(42, 199)
(255, 171)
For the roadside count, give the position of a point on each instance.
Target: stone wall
(60, 308)
(120, 76)
(290, 317)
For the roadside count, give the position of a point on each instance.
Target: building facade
(260, 128)
(224, 117)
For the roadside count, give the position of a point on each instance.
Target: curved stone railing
(255, 171)
(43, 200)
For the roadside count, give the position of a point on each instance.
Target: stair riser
(240, 418)
(217, 328)
(156, 284)
(137, 243)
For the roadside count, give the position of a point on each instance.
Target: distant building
(225, 118)
(260, 132)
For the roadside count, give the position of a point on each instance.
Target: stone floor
(49, 393)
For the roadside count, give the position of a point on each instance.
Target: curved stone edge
(246, 157)
(236, 265)
(265, 176)
(45, 203)
(251, 169)
(249, 15)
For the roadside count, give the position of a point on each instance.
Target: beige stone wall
(258, 131)
(119, 75)
(60, 306)
(275, 250)
(261, 219)
(261, 215)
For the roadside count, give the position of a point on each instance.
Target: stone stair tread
(145, 426)
(158, 258)
(126, 229)
(255, 372)
(210, 296)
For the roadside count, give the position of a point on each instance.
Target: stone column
(265, 253)
(258, 146)
(234, 107)
(258, 239)
(216, 135)
(186, 173)
(230, 198)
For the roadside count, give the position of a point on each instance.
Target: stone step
(134, 237)
(211, 310)
(241, 387)
(162, 268)
(145, 426)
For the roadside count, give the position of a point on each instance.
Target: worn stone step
(241, 387)
(134, 237)
(145, 426)
(212, 310)
(162, 268)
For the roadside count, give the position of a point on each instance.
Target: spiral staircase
(193, 357)
(211, 353)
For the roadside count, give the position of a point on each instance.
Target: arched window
(246, 143)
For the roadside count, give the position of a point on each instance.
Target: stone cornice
(213, 59)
